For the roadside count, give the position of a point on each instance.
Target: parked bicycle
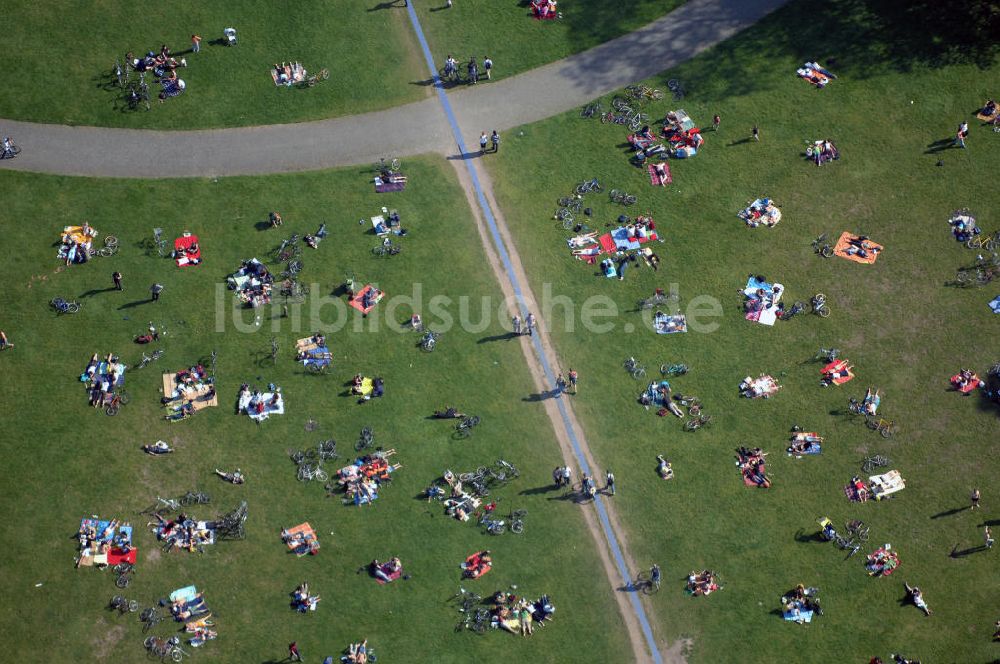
(822, 247)
(492, 525)
(676, 89)
(887, 428)
(118, 399)
(658, 299)
(698, 422)
(308, 472)
(819, 305)
(591, 110)
(321, 75)
(691, 402)
(467, 601)
(475, 619)
(149, 359)
(463, 429)
(984, 242)
(122, 605)
(827, 354)
(516, 518)
(150, 618)
(632, 366)
(289, 249)
(195, 498)
(622, 197)
(64, 306)
(386, 249)
(365, 440)
(384, 165)
(588, 186)
(157, 243)
(641, 92)
(428, 342)
(123, 575)
(673, 369)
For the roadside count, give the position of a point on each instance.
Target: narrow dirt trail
(564, 421)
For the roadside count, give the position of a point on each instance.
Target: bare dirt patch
(106, 639)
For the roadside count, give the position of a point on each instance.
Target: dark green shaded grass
(507, 33)
(66, 461)
(58, 58)
(898, 321)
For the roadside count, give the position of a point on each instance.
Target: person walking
(963, 131)
(557, 476)
(116, 277)
(716, 121)
(573, 377)
(987, 537)
(560, 384)
(755, 132)
(495, 140)
(974, 498)
(293, 652)
(609, 483)
(195, 44)
(155, 291)
(483, 139)
(473, 69)
(515, 323)
(487, 67)
(567, 475)
(529, 322)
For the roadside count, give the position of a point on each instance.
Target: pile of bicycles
(986, 269)
(572, 205)
(475, 616)
(494, 525)
(485, 478)
(463, 429)
(309, 461)
(64, 306)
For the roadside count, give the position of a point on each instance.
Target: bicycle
(692, 403)
(467, 600)
(149, 359)
(632, 366)
(463, 429)
(293, 291)
(857, 530)
(614, 118)
(386, 249)
(123, 572)
(119, 398)
(120, 73)
(138, 95)
(642, 92)
(885, 427)
(676, 89)
(590, 110)
(492, 526)
(122, 605)
(647, 581)
(308, 472)
(477, 620)
(321, 75)
(429, 341)
(384, 165)
(64, 306)
(194, 498)
(588, 186)
(978, 276)
(162, 506)
(150, 617)
(158, 243)
(673, 369)
(827, 354)
(622, 197)
(10, 150)
(989, 242)
(509, 470)
(657, 299)
(365, 440)
(822, 247)
(274, 350)
(819, 306)
(288, 250)
(516, 518)
(697, 422)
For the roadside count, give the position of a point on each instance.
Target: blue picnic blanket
(622, 241)
(319, 355)
(814, 448)
(653, 393)
(754, 284)
(995, 304)
(802, 617)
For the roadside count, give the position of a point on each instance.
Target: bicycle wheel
(462, 431)
(694, 409)
(965, 277)
(110, 241)
(112, 409)
(826, 251)
(886, 431)
(639, 372)
(871, 422)
(324, 74)
(380, 250)
(176, 654)
(320, 475)
(656, 95)
(692, 424)
(298, 457)
(133, 605)
(629, 199)
(123, 580)
(72, 307)
(123, 398)
(394, 165)
(361, 444)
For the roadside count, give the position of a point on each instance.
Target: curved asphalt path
(415, 128)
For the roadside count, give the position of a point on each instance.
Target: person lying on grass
(873, 397)
(157, 448)
(301, 599)
(235, 477)
(387, 571)
(915, 595)
(663, 468)
(477, 564)
(702, 583)
(357, 653)
(448, 413)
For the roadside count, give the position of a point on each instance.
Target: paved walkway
(405, 130)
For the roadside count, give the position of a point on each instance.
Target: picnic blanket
(246, 401)
(296, 74)
(667, 324)
(186, 594)
(816, 74)
(994, 304)
(76, 234)
(382, 187)
(762, 386)
(812, 448)
(356, 301)
(798, 615)
(302, 539)
(761, 211)
(101, 371)
(618, 240)
(317, 355)
(392, 577)
(988, 118)
(845, 249)
(886, 484)
(835, 367)
(654, 177)
(765, 315)
(184, 256)
(379, 226)
(196, 395)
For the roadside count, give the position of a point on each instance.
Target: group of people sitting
(302, 601)
(882, 562)
(388, 571)
(963, 226)
(183, 531)
(822, 151)
(164, 67)
(683, 137)
(76, 243)
(752, 466)
(101, 377)
(762, 211)
(477, 564)
(185, 608)
(660, 394)
(258, 404)
(761, 387)
(357, 653)
(545, 9)
(804, 442)
(98, 539)
(460, 503)
(362, 479)
(518, 615)
(836, 373)
(798, 604)
(871, 402)
(702, 583)
(360, 386)
(965, 381)
(189, 385)
(288, 73)
(252, 283)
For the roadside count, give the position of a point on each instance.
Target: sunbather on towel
(582, 240)
(385, 571)
(448, 413)
(873, 397)
(989, 108)
(663, 468)
(477, 564)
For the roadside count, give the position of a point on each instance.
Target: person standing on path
(755, 132)
(487, 67)
(716, 121)
(155, 291)
(560, 384)
(495, 140)
(473, 69)
(975, 498)
(573, 376)
(987, 537)
(293, 652)
(482, 143)
(609, 483)
(529, 322)
(195, 44)
(515, 323)
(117, 278)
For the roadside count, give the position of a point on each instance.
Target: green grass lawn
(58, 58)
(903, 328)
(507, 33)
(65, 460)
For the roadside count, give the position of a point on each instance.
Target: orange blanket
(844, 244)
